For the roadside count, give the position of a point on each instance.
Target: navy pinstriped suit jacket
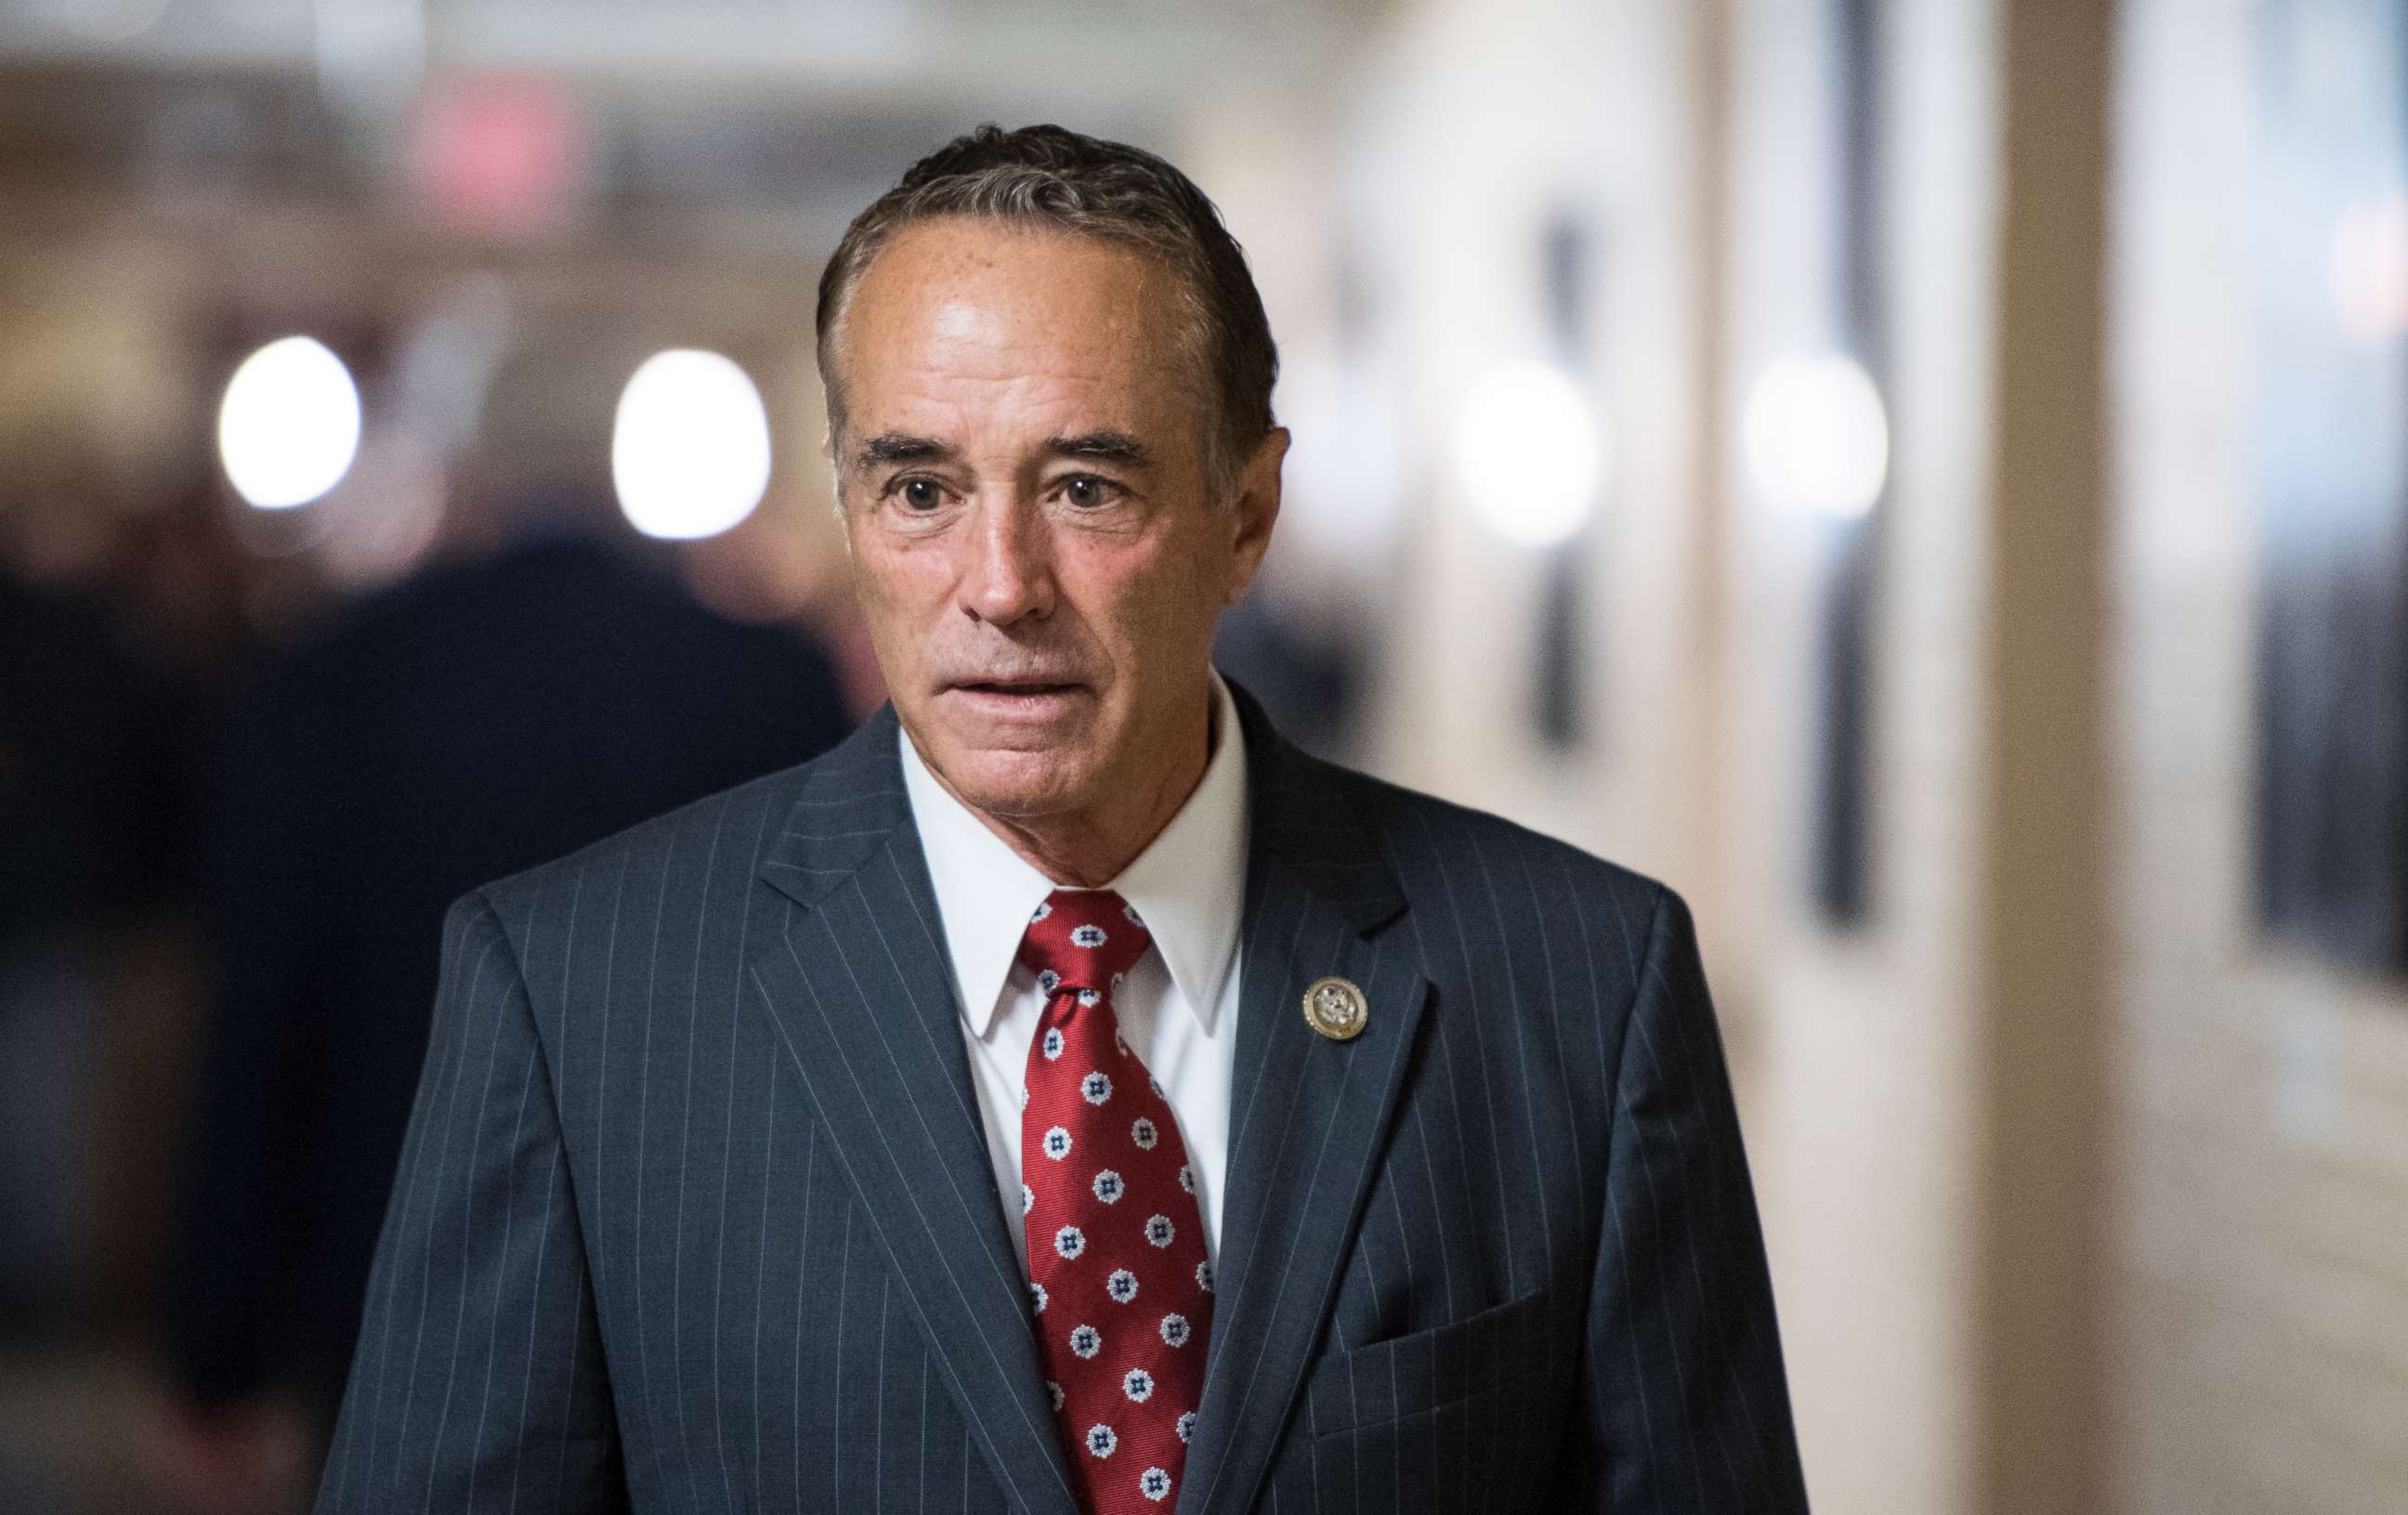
(695, 1213)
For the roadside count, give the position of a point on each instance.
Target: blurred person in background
(933, 1125)
(115, 630)
(532, 688)
(95, 851)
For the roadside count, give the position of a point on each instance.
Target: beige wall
(1481, 121)
(2261, 1195)
(2077, 1197)
(1863, 1136)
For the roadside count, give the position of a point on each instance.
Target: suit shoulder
(691, 839)
(1423, 834)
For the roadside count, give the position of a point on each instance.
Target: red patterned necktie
(1118, 1275)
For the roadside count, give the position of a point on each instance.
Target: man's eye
(919, 494)
(1087, 491)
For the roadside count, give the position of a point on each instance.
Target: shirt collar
(1189, 883)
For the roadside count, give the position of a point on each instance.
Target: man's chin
(1018, 786)
(1013, 772)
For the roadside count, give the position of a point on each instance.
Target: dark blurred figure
(1308, 677)
(117, 615)
(92, 816)
(520, 699)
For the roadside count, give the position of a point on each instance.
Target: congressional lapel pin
(1336, 1008)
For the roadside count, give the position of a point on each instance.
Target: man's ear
(1256, 511)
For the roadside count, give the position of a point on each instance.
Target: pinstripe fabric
(695, 1211)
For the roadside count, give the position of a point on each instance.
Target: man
(1066, 1095)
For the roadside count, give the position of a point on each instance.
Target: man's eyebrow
(894, 447)
(1102, 447)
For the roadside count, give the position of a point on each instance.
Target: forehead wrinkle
(1000, 406)
(1022, 411)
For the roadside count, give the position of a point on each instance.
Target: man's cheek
(891, 584)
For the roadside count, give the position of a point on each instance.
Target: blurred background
(1924, 478)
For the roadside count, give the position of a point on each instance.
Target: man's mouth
(1016, 686)
(1019, 699)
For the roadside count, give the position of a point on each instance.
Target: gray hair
(1052, 176)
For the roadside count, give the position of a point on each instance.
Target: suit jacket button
(1336, 1008)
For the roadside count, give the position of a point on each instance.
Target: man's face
(1033, 536)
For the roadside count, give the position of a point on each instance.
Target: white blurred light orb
(1816, 436)
(690, 447)
(1532, 452)
(289, 426)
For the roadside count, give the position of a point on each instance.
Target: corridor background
(1824, 453)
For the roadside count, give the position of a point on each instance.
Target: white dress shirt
(1178, 1009)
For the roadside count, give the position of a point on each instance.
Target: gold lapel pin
(1336, 1008)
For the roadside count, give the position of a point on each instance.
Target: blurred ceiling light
(2370, 267)
(290, 423)
(689, 449)
(1532, 452)
(1816, 437)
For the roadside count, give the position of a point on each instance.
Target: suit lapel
(1309, 1116)
(859, 988)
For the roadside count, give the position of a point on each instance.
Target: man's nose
(1009, 572)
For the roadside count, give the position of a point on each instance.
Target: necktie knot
(1082, 938)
